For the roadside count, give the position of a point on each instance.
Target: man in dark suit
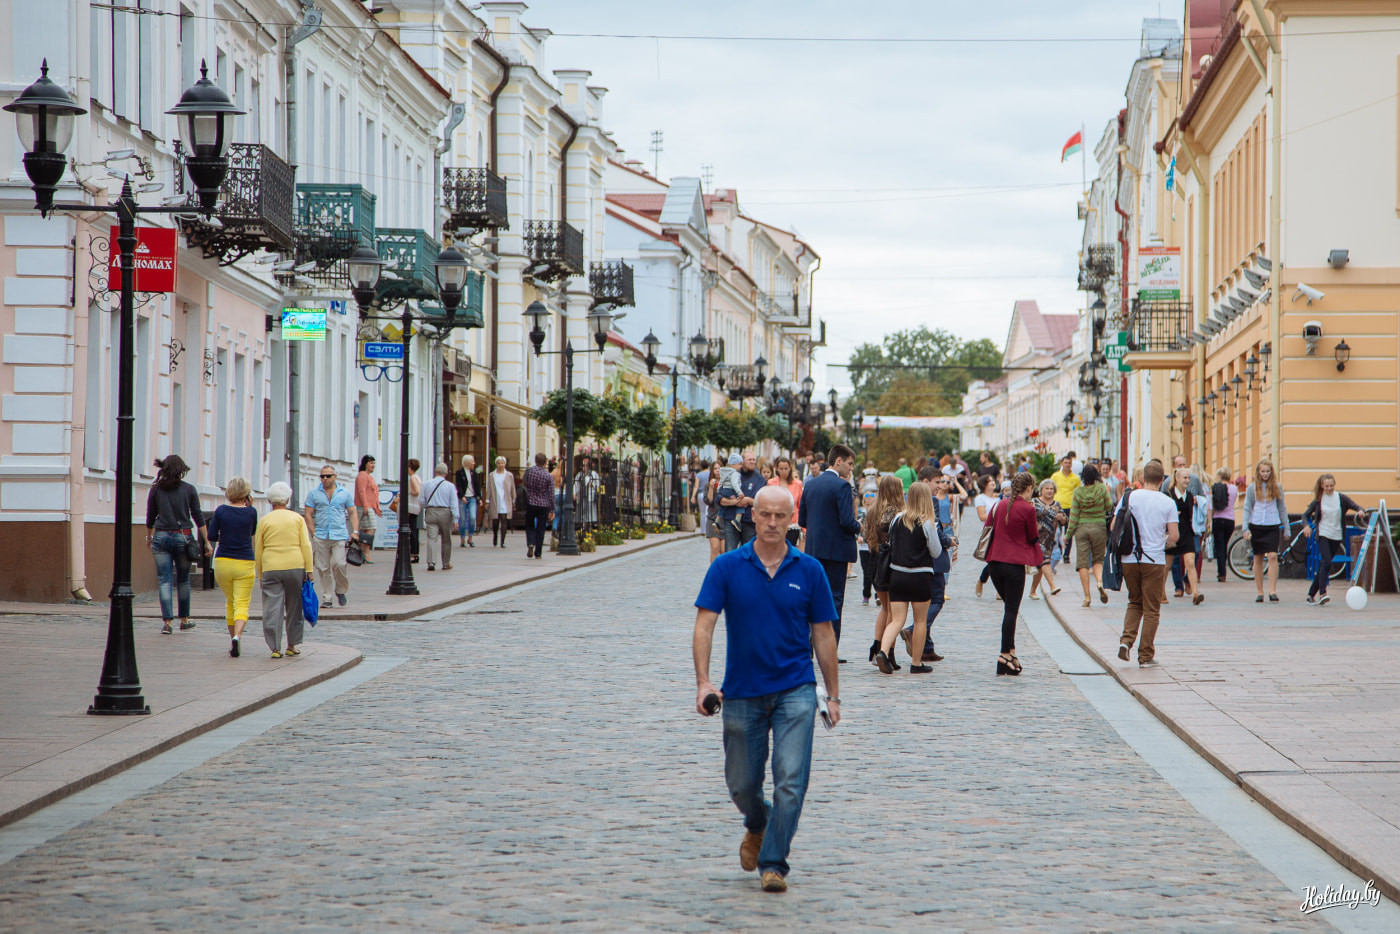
(828, 513)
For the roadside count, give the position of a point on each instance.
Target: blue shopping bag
(310, 602)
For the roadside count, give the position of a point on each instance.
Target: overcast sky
(926, 174)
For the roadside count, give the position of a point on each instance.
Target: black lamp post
(44, 120)
(704, 359)
(600, 320)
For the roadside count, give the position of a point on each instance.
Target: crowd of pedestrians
(288, 555)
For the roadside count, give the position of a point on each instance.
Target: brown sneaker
(773, 882)
(748, 850)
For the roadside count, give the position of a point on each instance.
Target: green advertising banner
(1116, 349)
(303, 324)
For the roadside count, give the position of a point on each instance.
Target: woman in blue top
(1266, 525)
(231, 528)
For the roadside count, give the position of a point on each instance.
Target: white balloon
(1356, 598)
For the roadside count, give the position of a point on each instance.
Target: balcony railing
(1159, 327)
(255, 210)
(475, 200)
(470, 314)
(742, 381)
(555, 249)
(408, 273)
(611, 284)
(1097, 266)
(332, 220)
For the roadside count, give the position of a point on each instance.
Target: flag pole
(1083, 162)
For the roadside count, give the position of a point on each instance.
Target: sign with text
(155, 260)
(1159, 273)
(303, 324)
(1116, 349)
(381, 351)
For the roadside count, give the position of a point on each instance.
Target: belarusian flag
(1072, 145)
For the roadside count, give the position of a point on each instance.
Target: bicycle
(1302, 549)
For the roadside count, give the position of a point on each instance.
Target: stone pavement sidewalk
(51, 659)
(475, 571)
(1299, 705)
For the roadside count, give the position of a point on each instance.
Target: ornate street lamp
(203, 109)
(1099, 311)
(451, 269)
(539, 316)
(808, 386)
(651, 343)
(364, 266)
(759, 366)
(1342, 353)
(600, 319)
(44, 116)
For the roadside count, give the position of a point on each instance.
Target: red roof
(649, 203)
(1049, 333)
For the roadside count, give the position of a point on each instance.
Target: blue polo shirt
(331, 510)
(767, 621)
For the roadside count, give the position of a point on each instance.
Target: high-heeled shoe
(883, 663)
(1008, 665)
(874, 649)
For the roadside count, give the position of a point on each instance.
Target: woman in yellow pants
(231, 529)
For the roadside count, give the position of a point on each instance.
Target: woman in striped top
(1088, 528)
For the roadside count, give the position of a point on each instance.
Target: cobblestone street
(537, 762)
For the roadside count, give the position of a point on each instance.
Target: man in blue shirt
(777, 608)
(330, 515)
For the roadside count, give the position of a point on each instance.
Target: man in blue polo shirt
(777, 607)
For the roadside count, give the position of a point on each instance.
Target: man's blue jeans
(466, 517)
(790, 716)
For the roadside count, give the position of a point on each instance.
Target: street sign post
(1116, 349)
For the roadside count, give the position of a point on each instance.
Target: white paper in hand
(822, 710)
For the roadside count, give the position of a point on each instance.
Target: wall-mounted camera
(1312, 333)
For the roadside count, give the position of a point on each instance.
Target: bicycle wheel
(1297, 554)
(1241, 557)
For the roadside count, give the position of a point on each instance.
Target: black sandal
(1008, 665)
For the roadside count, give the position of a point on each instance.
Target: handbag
(1112, 570)
(354, 554)
(984, 541)
(310, 602)
(192, 550)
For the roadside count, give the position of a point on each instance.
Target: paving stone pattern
(537, 763)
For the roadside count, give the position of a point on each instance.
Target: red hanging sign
(155, 260)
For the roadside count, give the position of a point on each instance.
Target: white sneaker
(1150, 663)
(1323, 600)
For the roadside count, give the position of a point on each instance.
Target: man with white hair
(439, 499)
(777, 610)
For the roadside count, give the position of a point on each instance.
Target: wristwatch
(829, 699)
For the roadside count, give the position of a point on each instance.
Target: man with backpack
(1144, 527)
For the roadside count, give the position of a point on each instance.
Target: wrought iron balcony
(255, 210)
(1159, 327)
(475, 200)
(555, 250)
(331, 220)
(611, 285)
(742, 382)
(470, 314)
(1097, 266)
(408, 273)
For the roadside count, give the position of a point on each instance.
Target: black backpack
(1219, 497)
(1123, 537)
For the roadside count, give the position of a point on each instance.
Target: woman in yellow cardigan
(282, 556)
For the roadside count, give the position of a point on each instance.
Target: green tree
(648, 428)
(931, 367)
(552, 411)
(692, 427)
(729, 430)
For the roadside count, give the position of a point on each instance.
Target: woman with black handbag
(888, 503)
(1014, 545)
(173, 518)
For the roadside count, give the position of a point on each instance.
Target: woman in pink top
(783, 475)
(1015, 546)
(367, 504)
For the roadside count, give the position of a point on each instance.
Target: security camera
(1312, 294)
(1312, 333)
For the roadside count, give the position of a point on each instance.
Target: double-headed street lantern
(44, 114)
